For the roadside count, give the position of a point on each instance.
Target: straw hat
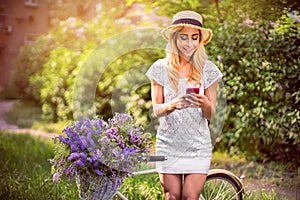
(191, 19)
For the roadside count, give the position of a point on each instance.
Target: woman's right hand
(179, 103)
(159, 107)
(166, 108)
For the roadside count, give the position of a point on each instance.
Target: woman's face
(188, 41)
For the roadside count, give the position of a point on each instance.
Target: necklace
(184, 69)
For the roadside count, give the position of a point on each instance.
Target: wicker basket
(94, 187)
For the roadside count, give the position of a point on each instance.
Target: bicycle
(220, 184)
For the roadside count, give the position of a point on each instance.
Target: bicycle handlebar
(157, 158)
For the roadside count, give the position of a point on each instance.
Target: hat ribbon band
(187, 21)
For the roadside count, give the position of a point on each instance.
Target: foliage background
(255, 44)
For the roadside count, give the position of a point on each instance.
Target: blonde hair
(197, 61)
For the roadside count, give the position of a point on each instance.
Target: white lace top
(183, 133)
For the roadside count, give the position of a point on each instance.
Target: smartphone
(192, 90)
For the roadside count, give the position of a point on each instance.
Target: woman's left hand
(198, 101)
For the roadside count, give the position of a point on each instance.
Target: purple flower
(90, 140)
(105, 140)
(112, 131)
(64, 140)
(98, 154)
(80, 156)
(73, 147)
(69, 172)
(56, 177)
(93, 160)
(88, 124)
(79, 163)
(104, 148)
(120, 119)
(129, 151)
(83, 156)
(101, 123)
(97, 171)
(78, 125)
(73, 156)
(80, 144)
(115, 152)
(59, 162)
(84, 142)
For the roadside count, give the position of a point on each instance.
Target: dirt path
(5, 106)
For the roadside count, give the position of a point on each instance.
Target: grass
(25, 170)
(25, 173)
(142, 187)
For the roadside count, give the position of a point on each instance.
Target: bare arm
(209, 109)
(159, 107)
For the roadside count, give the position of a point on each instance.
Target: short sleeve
(211, 74)
(157, 72)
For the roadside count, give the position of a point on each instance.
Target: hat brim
(206, 34)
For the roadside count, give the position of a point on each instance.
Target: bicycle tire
(221, 186)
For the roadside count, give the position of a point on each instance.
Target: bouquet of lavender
(110, 149)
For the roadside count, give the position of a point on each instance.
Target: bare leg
(193, 184)
(171, 184)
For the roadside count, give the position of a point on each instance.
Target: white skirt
(184, 165)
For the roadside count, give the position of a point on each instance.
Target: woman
(183, 135)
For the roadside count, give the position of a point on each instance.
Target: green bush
(85, 59)
(55, 82)
(260, 62)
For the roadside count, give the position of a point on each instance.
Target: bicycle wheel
(221, 186)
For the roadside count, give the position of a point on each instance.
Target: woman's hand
(203, 102)
(159, 107)
(206, 101)
(166, 108)
(180, 103)
(198, 101)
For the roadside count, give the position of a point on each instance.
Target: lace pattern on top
(183, 133)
